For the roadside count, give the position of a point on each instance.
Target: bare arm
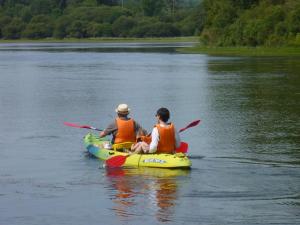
(102, 134)
(154, 140)
(111, 128)
(177, 139)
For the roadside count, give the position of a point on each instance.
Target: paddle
(182, 148)
(81, 126)
(119, 160)
(116, 161)
(192, 124)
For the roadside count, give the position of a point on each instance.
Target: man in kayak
(164, 137)
(123, 129)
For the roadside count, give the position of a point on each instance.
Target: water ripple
(242, 195)
(277, 163)
(31, 137)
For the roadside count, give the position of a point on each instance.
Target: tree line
(250, 22)
(217, 22)
(35, 19)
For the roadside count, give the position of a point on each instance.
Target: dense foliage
(98, 18)
(219, 22)
(251, 22)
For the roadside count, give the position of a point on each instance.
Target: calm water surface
(245, 152)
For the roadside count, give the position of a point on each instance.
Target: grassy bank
(243, 51)
(99, 40)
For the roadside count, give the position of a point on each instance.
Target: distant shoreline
(243, 51)
(106, 39)
(197, 49)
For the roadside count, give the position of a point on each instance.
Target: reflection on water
(153, 189)
(96, 47)
(260, 98)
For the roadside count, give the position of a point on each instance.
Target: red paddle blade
(192, 124)
(182, 148)
(75, 125)
(81, 126)
(116, 161)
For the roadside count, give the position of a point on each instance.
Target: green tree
(244, 4)
(143, 24)
(39, 27)
(61, 4)
(40, 6)
(26, 14)
(60, 27)
(85, 18)
(13, 29)
(4, 20)
(250, 22)
(294, 21)
(153, 7)
(187, 27)
(117, 12)
(106, 30)
(77, 29)
(161, 29)
(108, 2)
(122, 26)
(99, 30)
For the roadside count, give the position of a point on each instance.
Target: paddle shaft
(192, 124)
(81, 126)
(94, 128)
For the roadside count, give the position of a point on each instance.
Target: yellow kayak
(95, 146)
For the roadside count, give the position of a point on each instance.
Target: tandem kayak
(95, 146)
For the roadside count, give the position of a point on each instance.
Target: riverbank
(243, 51)
(108, 39)
(197, 49)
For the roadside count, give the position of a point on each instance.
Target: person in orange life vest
(123, 129)
(164, 137)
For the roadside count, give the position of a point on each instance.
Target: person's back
(167, 140)
(164, 137)
(123, 128)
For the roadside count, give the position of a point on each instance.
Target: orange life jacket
(167, 142)
(146, 139)
(125, 132)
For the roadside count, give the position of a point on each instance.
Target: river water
(245, 152)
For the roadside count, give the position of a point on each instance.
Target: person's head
(122, 110)
(163, 114)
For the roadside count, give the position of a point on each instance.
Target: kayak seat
(121, 147)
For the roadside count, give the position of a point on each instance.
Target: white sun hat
(122, 109)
